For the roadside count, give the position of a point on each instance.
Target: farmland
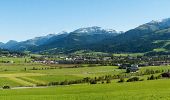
(29, 81)
(21, 73)
(146, 90)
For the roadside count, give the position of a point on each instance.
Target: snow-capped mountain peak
(95, 30)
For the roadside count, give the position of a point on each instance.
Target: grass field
(16, 73)
(155, 68)
(15, 60)
(145, 90)
(21, 75)
(129, 54)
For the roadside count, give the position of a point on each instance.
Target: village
(130, 63)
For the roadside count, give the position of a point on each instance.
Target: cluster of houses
(123, 62)
(72, 60)
(129, 68)
(159, 63)
(45, 61)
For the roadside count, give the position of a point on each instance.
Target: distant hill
(76, 40)
(80, 39)
(150, 37)
(32, 43)
(147, 37)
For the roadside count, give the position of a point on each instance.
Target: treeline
(88, 80)
(148, 72)
(96, 80)
(134, 79)
(152, 77)
(5, 52)
(108, 78)
(154, 53)
(102, 79)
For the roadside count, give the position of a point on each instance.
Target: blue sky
(24, 19)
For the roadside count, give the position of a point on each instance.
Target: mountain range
(153, 36)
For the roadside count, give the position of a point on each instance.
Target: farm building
(133, 68)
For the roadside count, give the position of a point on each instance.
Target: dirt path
(29, 87)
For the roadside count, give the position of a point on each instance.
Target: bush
(152, 77)
(93, 82)
(141, 80)
(133, 79)
(166, 75)
(6, 87)
(53, 83)
(41, 84)
(108, 81)
(102, 82)
(121, 80)
(159, 77)
(64, 83)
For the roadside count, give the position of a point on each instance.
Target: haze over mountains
(150, 37)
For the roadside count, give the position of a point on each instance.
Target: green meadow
(24, 77)
(145, 90)
(16, 73)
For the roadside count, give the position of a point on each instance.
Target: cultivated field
(26, 81)
(16, 75)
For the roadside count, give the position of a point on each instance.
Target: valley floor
(145, 90)
(23, 79)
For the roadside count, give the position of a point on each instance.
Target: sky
(25, 19)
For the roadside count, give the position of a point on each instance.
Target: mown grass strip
(31, 80)
(22, 82)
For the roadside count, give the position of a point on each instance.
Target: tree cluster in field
(133, 79)
(149, 72)
(45, 68)
(6, 87)
(166, 75)
(152, 77)
(163, 75)
(108, 78)
(96, 80)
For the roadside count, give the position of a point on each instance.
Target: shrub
(41, 84)
(108, 81)
(53, 83)
(64, 83)
(6, 87)
(121, 80)
(159, 77)
(152, 77)
(133, 79)
(102, 82)
(93, 82)
(141, 80)
(166, 75)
